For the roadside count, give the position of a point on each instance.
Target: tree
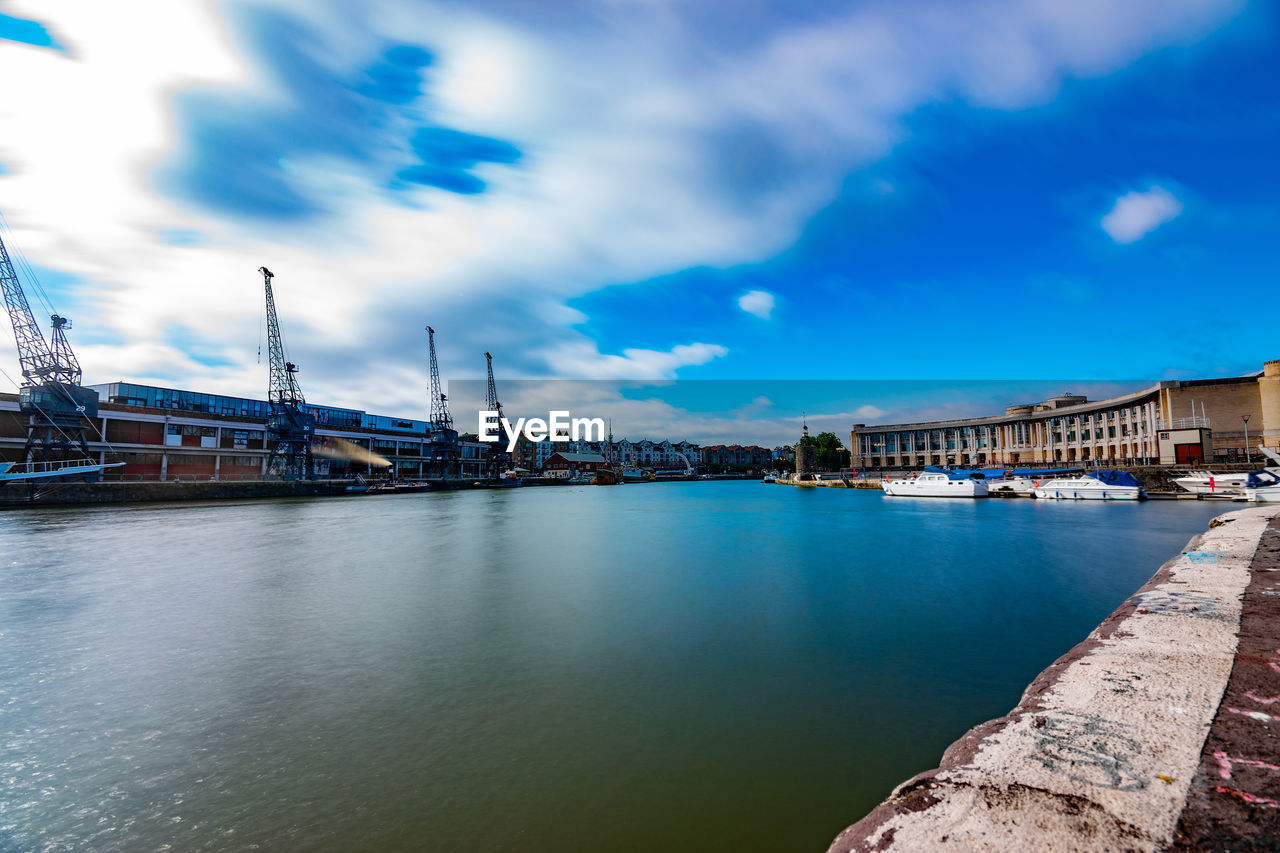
(829, 448)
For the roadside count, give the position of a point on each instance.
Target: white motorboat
(1262, 487)
(1022, 480)
(939, 483)
(1094, 486)
(1209, 483)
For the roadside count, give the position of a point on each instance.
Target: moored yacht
(1094, 486)
(1022, 480)
(1209, 483)
(1262, 486)
(939, 483)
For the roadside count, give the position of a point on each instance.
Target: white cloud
(585, 361)
(613, 188)
(1136, 214)
(758, 302)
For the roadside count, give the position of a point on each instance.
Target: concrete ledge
(16, 495)
(1101, 752)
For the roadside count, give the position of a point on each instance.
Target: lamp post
(1245, 418)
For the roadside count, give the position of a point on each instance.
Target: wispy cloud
(482, 166)
(757, 302)
(1136, 214)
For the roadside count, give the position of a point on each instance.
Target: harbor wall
(16, 495)
(1111, 743)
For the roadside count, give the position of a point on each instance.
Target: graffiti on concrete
(1184, 603)
(1087, 749)
(1227, 764)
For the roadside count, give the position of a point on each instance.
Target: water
(693, 666)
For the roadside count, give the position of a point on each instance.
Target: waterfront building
(1172, 422)
(642, 453)
(568, 464)
(736, 457)
(170, 434)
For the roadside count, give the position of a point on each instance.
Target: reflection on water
(683, 666)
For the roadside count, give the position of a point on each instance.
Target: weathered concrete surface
(1101, 752)
(15, 495)
(1234, 801)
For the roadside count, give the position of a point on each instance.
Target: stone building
(1172, 422)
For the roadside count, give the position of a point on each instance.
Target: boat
(635, 475)
(1094, 486)
(939, 483)
(1209, 483)
(1021, 480)
(1262, 487)
(62, 470)
(1236, 483)
(608, 475)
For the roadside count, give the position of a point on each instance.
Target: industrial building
(170, 434)
(1170, 423)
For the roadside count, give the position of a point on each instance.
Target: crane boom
(51, 396)
(34, 355)
(497, 456)
(445, 451)
(290, 429)
(284, 384)
(439, 403)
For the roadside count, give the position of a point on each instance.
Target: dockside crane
(51, 396)
(446, 451)
(290, 429)
(498, 456)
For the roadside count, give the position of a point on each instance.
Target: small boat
(1209, 483)
(1262, 487)
(606, 477)
(62, 470)
(1094, 486)
(1023, 481)
(939, 483)
(635, 475)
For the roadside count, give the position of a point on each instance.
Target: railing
(49, 467)
(1196, 422)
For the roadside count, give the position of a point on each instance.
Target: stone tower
(806, 456)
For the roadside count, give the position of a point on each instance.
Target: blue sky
(1058, 192)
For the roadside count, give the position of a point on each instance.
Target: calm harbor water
(692, 666)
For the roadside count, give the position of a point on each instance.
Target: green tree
(829, 447)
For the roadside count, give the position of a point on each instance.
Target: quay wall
(16, 495)
(1126, 742)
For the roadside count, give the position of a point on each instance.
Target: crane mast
(290, 429)
(51, 395)
(497, 454)
(445, 452)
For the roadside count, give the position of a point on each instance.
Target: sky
(1025, 194)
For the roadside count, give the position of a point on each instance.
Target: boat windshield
(1258, 479)
(1116, 478)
